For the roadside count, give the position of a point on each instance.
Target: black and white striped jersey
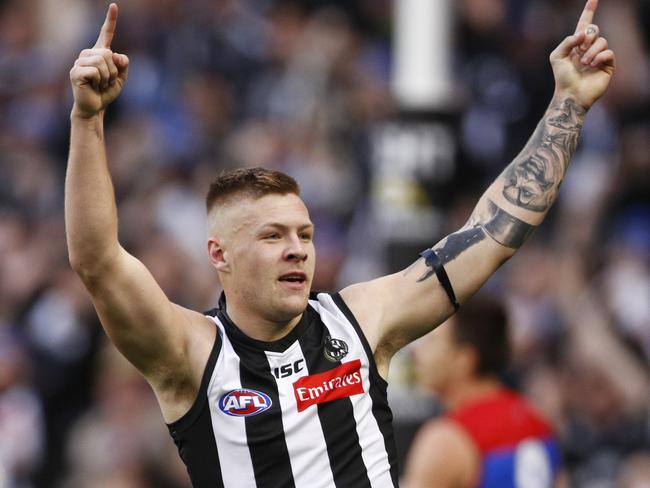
(306, 411)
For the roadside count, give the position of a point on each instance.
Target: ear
(217, 255)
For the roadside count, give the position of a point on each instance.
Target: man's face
(530, 184)
(269, 254)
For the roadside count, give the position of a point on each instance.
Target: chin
(290, 307)
(297, 303)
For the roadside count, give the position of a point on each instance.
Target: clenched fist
(98, 74)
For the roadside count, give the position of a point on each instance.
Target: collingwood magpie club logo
(334, 349)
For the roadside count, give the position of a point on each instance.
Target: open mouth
(295, 277)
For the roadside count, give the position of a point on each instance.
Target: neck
(463, 392)
(257, 326)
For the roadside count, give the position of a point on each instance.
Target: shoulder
(448, 433)
(332, 303)
(338, 318)
(443, 451)
(359, 299)
(178, 385)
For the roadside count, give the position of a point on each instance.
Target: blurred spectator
(119, 441)
(635, 472)
(21, 416)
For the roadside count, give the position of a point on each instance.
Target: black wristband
(433, 261)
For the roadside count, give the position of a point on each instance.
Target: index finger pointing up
(108, 29)
(587, 16)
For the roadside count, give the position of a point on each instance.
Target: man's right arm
(133, 309)
(155, 335)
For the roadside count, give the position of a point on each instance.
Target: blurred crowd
(301, 86)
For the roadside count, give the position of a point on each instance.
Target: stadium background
(304, 86)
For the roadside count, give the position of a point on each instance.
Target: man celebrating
(277, 388)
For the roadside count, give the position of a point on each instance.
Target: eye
(272, 236)
(306, 236)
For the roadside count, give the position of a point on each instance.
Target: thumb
(565, 47)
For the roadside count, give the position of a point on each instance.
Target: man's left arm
(396, 309)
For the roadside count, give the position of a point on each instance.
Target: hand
(583, 64)
(98, 74)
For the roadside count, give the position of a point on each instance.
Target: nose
(296, 250)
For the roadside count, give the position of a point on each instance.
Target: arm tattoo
(530, 182)
(506, 229)
(453, 246)
(533, 179)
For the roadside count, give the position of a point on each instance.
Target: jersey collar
(280, 345)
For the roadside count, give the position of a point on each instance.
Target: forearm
(90, 210)
(530, 184)
(518, 200)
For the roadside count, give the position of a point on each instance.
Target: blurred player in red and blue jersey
(491, 437)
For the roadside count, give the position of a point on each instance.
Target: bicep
(144, 325)
(413, 302)
(469, 258)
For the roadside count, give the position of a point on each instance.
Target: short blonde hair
(249, 182)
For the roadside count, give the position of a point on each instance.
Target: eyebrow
(278, 225)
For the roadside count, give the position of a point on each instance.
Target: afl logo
(244, 403)
(335, 349)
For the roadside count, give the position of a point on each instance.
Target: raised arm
(146, 327)
(396, 309)
(97, 78)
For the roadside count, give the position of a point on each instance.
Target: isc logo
(288, 369)
(244, 402)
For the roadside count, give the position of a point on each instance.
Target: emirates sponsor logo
(340, 382)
